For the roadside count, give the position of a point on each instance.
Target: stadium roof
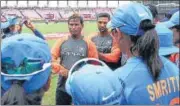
(75, 3)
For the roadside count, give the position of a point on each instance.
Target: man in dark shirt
(108, 49)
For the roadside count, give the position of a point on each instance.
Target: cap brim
(168, 50)
(5, 25)
(33, 81)
(168, 24)
(164, 19)
(15, 21)
(109, 25)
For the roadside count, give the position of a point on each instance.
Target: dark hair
(148, 47)
(6, 30)
(171, 12)
(76, 16)
(103, 15)
(15, 95)
(167, 15)
(167, 56)
(153, 10)
(177, 27)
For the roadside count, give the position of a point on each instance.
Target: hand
(63, 73)
(115, 36)
(55, 67)
(59, 69)
(29, 25)
(100, 56)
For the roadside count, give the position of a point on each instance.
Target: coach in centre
(68, 50)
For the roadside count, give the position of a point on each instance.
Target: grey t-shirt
(72, 50)
(104, 45)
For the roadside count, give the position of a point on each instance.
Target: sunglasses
(27, 66)
(79, 64)
(115, 29)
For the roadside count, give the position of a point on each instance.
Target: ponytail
(15, 95)
(148, 48)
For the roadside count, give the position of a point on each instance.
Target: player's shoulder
(63, 38)
(92, 35)
(132, 66)
(169, 65)
(87, 40)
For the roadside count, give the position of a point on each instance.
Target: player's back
(140, 87)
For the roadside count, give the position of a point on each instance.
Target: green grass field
(89, 27)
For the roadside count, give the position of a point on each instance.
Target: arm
(29, 25)
(38, 34)
(92, 51)
(113, 56)
(55, 52)
(90, 36)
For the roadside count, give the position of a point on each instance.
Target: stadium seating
(11, 12)
(31, 14)
(62, 14)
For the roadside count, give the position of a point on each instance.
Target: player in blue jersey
(12, 25)
(149, 78)
(174, 24)
(25, 70)
(167, 48)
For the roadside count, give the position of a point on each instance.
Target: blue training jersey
(36, 33)
(140, 87)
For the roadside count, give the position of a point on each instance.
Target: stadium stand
(53, 14)
(31, 14)
(11, 12)
(89, 14)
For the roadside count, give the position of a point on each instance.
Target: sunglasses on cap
(27, 66)
(92, 61)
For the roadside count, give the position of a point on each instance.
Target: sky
(64, 3)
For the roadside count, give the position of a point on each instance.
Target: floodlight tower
(37, 3)
(106, 3)
(77, 3)
(47, 3)
(96, 3)
(57, 3)
(27, 3)
(118, 3)
(87, 3)
(68, 3)
(16, 3)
